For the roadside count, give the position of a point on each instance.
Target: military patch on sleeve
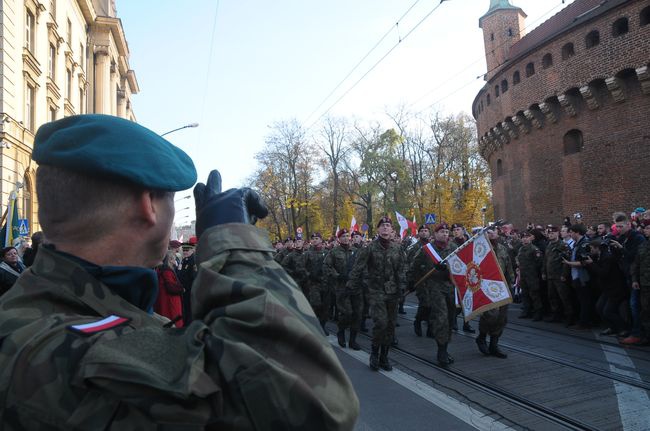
(104, 324)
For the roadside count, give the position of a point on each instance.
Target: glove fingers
(214, 182)
(199, 194)
(255, 204)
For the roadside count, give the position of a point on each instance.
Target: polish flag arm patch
(104, 324)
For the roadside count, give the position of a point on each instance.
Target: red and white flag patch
(104, 324)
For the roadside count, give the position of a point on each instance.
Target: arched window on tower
(499, 168)
(568, 51)
(516, 79)
(620, 27)
(644, 17)
(510, 32)
(572, 142)
(592, 39)
(547, 61)
(530, 69)
(487, 100)
(496, 91)
(504, 85)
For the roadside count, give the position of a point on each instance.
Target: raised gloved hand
(214, 207)
(441, 267)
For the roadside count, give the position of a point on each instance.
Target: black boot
(454, 324)
(363, 328)
(417, 327)
(494, 348)
(482, 343)
(400, 310)
(383, 359)
(443, 356)
(538, 316)
(468, 328)
(341, 337)
(353, 340)
(430, 331)
(395, 342)
(322, 325)
(374, 358)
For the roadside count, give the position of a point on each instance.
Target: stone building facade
(58, 58)
(563, 118)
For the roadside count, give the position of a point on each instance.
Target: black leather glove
(441, 267)
(214, 207)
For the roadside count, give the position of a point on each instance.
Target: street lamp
(182, 209)
(184, 197)
(187, 126)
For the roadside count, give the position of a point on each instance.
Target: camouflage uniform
(421, 292)
(558, 290)
(337, 267)
(294, 264)
(493, 321)
(640, 272)
(385, 277)
(280, 255)
(227, 370)
(438, 292)
(529, 260)
(365, 304)
(320, 293)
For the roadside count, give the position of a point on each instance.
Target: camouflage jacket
(503, 257)
(385, 268)
(314, 264)
(529, 260)
(422, 264)
(411, 252)
(223, 371)
(294, 264)
(338, 265)
(553, 267)
(640, 269)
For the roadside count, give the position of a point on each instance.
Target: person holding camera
(579, 275)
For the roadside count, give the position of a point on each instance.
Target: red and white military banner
(478, 278)
(433, 254)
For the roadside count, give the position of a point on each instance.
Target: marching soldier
(337, 266)
(383, 261)
(357, 245)
(284, 251)
(424, 306)
(493, 321)
(294, 264)
(553, 270)
(320, 293)
(529, 261)
(439, 290)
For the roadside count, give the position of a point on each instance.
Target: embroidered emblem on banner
(104, 324)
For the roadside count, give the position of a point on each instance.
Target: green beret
(112, 147)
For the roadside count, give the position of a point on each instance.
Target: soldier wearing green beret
(81, 348)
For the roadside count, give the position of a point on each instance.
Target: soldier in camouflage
(287, 248)
(294, 264)
(337, 267)
(439, 289)
(559, 295)
(320, 293)
(383, 262)
(492, 322)
(529, 261)
(421, 292)
(81, 350)
(357, 245)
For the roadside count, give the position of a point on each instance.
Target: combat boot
(494, 348)
(363, 327)
(482, 343)
(417, 327)
(430, 331)
(374, 358)
(468, 328)
(322, 325)
(538, 316)
(341, 337)
(400, 309)
(443, 356)
(383, 359)
(353, 340)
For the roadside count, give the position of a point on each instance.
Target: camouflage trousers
(424, 303)
(559, 297)
(320, 299)
(383, 311)
(493, 321)
(350, 305)
(365, 311)
(532, 297)
(442, 314)
(645, 310)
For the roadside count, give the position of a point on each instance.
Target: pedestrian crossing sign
(430, 218)
(23, 227)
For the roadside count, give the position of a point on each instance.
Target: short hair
(578, 228)
(620, 217)
(77, 207)
(6, 250)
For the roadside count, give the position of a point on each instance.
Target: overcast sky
(237, 66)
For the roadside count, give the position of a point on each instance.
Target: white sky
(277, 60)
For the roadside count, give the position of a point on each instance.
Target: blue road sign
(429, 218)
(23, 226)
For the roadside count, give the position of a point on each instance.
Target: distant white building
(58, 58)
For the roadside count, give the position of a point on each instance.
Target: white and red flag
(354, 226)
(478, 278)
(433, 254)
(403, 224)
(414, 227)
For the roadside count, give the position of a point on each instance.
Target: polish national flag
(414, 227)
(354, 226)
(403, 224)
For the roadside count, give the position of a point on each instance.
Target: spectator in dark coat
(10, 268)
(30, 253)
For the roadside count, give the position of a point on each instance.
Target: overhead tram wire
(207, 75)
(376, 64)
(543, 16)
(388, 32)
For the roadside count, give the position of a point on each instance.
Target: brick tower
(503, 25)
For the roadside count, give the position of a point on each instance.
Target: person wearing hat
(337, 266)
(381, 263)
(186, 274)
(559, 295)
(357, 245)
(529, 261)
(287, 247)
(320, 294)
(81, 348)
(439, 290)
(424, 306)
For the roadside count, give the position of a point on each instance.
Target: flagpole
(460, 247)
